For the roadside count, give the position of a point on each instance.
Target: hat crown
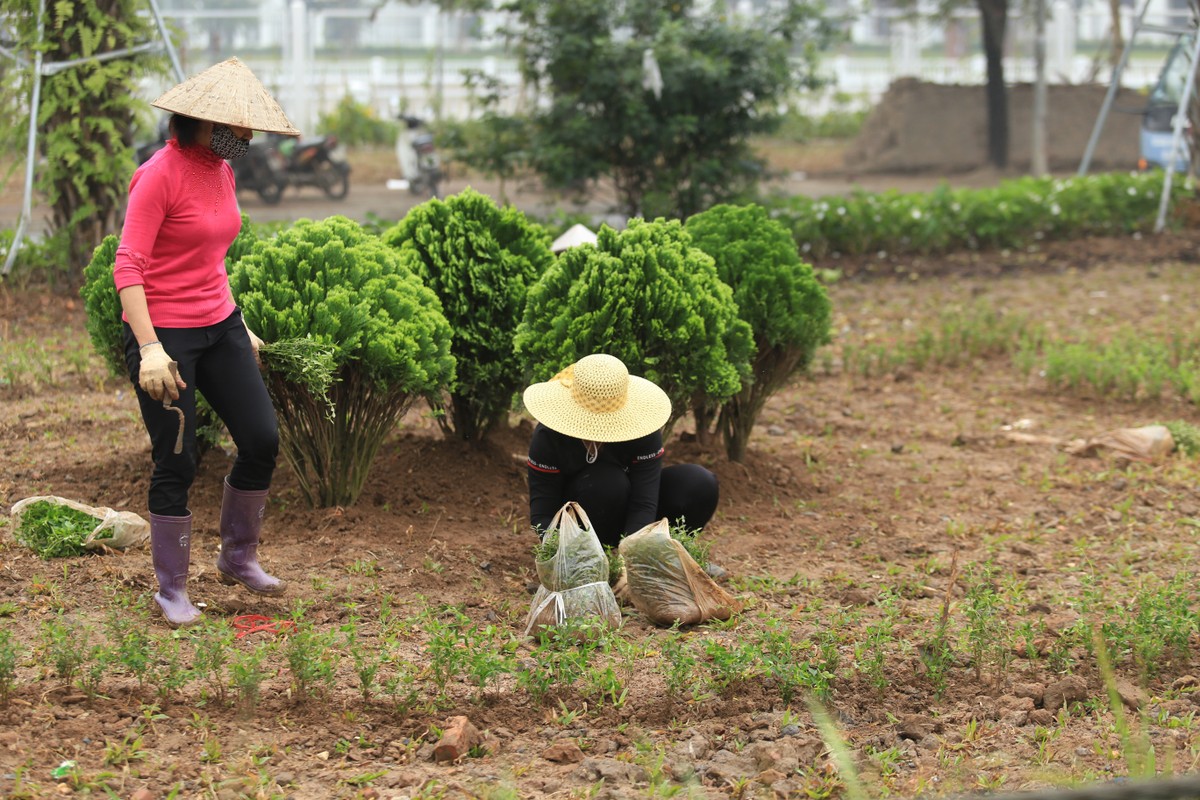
(600, 383)
(230, 94)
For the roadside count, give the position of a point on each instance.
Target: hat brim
(228, 93)
(647, 408)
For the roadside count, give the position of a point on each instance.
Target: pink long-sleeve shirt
(181, 218)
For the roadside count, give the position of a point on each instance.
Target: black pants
(217, 360)
(687, 493)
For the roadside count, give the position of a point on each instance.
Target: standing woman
(599, 442)
(183, 331)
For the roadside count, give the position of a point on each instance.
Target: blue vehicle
(1158, 120)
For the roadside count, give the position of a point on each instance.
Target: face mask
(225, 144)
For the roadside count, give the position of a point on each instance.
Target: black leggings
(217, 360)
(686, 492)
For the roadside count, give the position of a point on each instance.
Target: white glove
(158, 375)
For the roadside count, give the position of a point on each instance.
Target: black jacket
(555, 460)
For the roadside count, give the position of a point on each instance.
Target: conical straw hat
(598, 400)
(228, 93)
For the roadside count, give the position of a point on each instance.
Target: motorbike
(262, 170)
(317, 161)
(420, 164)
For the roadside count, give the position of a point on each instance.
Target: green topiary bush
(777, 294)
(103, 307)
(480, 259)
(335, 284)
(648, 297)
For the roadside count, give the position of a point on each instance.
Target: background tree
(480, 260)
(669, 146)
(993, 15)
(491, 142)
(648, 297)
(777, 295)
(87, 113)
(993, 18)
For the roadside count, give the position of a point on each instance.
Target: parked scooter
(318, 162)
(420, 164)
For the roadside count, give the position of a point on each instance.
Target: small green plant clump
(55, 531)
(1185, 435)
(689, 538)
(305, 362)
(545, 549)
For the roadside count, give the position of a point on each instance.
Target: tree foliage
(776, 293)
(648, 297)
(480, 259)
(670, 149)
(336, 284)
(87, 111)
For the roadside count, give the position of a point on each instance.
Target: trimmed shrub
(103, 307)
(777, 294)
(335, 284)
(648, 297)
(480, 259)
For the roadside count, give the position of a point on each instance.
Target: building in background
(407, 58)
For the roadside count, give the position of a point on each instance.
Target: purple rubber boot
(171, 550)
(241, 522)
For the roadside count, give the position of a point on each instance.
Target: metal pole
(1094, 139)
(31, 147)
(1181, 115)
(166, 37)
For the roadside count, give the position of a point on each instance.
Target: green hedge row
(1015, 213)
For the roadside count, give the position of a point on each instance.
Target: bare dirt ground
(866, 512)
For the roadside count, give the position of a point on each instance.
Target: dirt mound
(919, 127)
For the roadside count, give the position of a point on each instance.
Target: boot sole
(230, 580)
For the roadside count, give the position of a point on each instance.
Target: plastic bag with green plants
(55, 527)
(666, 583)
(573, 570)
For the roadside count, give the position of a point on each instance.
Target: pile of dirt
(919, 127)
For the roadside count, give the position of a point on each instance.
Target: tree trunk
(1118, 41)
(994, 14)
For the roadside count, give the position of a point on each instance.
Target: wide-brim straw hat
(228, 93)
(598, 400)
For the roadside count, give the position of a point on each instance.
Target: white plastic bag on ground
(666, 584)
(574, 581)
(117, 530)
